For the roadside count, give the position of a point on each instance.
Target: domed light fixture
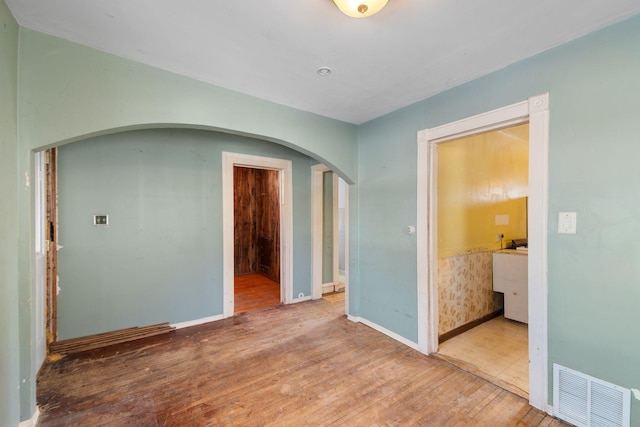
(360, 8)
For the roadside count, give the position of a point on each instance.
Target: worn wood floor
(296, 365)
(255, 291)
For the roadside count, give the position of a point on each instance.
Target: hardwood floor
(255, 291)
(294, 365)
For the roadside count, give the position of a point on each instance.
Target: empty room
(329, 212)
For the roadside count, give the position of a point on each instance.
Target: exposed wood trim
(467, 326)
(76, 345)
(51, 239)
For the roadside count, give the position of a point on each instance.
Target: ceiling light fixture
(324, 71)
(360, 8)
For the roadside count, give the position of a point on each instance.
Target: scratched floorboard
(298, 365)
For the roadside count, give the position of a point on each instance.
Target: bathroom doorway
(534, 110)
(482, 208)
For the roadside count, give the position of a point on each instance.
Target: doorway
(482, 189)
(330, 211)
(46, 246)
(535, 110)
(256, 238)
(279, 264)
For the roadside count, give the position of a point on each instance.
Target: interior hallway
(290, 365)
(496, 350)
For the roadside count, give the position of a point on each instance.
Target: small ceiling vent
(586, 401)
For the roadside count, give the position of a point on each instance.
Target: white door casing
(40, 206)
(285, 169)
(317, 210)
(536, 111)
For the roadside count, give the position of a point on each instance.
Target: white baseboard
(196, 322)
(328, 288)
(385, 331)
(31, 422)
(301, 299)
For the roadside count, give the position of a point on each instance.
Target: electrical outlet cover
(567, 222)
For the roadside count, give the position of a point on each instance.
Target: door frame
(285, 169)
(45, 261)
(51, 242)
(317, 213)
(535, 110)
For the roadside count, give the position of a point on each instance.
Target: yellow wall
(479, 177)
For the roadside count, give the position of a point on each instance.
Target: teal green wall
(160, 258)
(9, 321)
(69, 92)
(594, 276)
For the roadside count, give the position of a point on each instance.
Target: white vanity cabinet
(510, 271)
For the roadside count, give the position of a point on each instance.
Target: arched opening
(161, 190)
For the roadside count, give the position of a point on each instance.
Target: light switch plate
(567, 222)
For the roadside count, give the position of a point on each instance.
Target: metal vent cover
(586, 401)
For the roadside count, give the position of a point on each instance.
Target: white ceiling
(271, 49)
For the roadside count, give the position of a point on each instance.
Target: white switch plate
(567, 222)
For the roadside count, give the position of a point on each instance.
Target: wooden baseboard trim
(464, 328)
(75, 345)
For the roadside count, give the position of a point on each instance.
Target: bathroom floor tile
(497, 349)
